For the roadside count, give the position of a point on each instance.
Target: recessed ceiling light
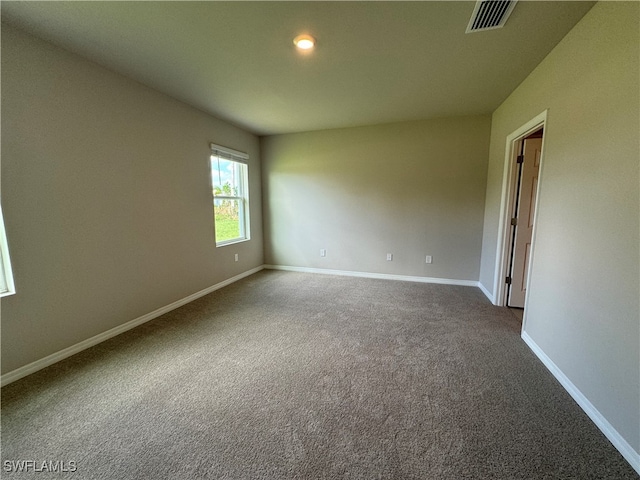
(304, 42)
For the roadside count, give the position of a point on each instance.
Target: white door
(526, 202)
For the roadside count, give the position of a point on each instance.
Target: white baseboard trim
(382, 276)
(490, 296)
(33, 367)
(601, 422)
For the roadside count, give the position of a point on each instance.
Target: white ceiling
(375, 62)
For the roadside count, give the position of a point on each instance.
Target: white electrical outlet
(323, 252)
(389, 257)
(236, 257)
(429, 259)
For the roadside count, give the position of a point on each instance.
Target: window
(6, 277)
(229, 179)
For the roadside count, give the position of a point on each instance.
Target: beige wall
(411, 189)
(583, 306)
(106, 197)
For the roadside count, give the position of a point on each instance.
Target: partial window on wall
(6, 276)
(230, 183)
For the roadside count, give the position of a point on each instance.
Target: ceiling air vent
(490, 14)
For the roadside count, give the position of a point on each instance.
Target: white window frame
(7, 287)
(242, 161)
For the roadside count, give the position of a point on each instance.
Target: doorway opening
(523, 161)
(522, 215)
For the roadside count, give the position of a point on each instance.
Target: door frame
(509, 181)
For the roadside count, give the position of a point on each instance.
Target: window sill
(231, 242)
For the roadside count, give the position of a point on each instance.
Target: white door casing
(509, 188)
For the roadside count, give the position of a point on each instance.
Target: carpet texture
(298, 376)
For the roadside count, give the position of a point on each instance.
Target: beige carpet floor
(286, 375)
